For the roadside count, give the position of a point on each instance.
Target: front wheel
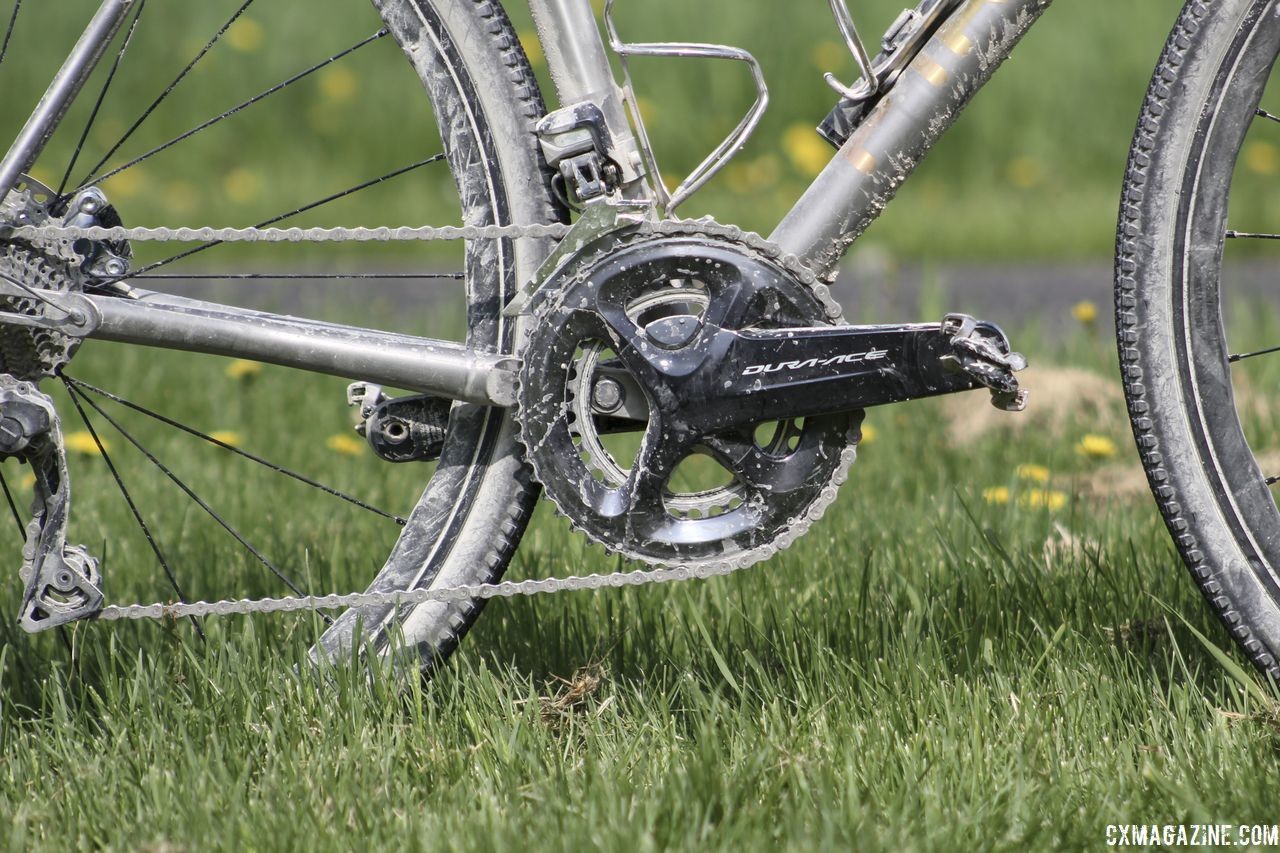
(1196, 343)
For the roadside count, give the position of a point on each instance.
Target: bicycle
(608, 341)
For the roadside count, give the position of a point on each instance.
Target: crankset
(727, 350)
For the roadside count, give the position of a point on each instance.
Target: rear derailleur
(63, 583)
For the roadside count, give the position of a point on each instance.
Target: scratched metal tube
(64, 88)
(426, 365)
(886, 148)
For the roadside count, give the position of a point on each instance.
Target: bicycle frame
(845, 198)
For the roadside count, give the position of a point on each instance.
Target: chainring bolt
(607, 396)
(672, 333)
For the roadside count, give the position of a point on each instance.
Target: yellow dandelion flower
(339, 84)
(227, 436)
(127, 184)
(868, 434)
(28, 480)
(532, 47)
(1262, 158)
(241, 185)
(1046, 498)
(181, 197)
(242, 368)
(246, 35)
(1024, 173)
(83, 444)
(1085, 311)
(829, 55)
(996, 495)
(1033, 473)
(808, 152)
(764, 171)
(1096, 447)
(345, 444)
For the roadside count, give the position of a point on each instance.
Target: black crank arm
(804, 372)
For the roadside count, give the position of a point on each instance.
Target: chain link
(285, 235)
(463, 592)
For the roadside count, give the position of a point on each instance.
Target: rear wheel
(465, 527)
(1195, 347)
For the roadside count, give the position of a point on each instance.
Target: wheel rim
(1200, 300)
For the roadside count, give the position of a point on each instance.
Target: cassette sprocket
(616, 448)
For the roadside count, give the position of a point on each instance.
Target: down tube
(865, 175)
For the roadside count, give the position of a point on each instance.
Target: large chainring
(658, 485)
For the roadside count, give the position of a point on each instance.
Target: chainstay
(464, 592)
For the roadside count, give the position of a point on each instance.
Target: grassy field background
(1033, 170)
(988, 641)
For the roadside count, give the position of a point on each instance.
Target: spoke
(34, 294)
(1271, 481)
(276, 219)
(229, 113)
(242, 276)
(199, 501)
(102, 96)
(1267, 115)
(1242, 356)
(13, 507)
(168, 89)
(8, 33)
(1250, 235)
(279, 469)
(74, 394)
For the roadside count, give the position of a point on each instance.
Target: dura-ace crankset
(687, 399)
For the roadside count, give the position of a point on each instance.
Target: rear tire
(466, 526)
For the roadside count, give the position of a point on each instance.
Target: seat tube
(576, 56)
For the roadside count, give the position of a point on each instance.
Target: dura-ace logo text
(847, 358)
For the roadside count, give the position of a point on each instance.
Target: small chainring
(643, 479)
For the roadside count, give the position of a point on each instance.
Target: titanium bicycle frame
(845, 198)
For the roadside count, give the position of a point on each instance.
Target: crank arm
(795, 373)
(752, 376)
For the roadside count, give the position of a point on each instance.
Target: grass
(957, 656)
(1037, 161)
(928, 669)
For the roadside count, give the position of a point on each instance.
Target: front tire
(1215, 499)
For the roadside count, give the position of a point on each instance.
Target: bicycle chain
(463, 592)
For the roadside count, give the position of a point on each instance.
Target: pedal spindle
(401, 429)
